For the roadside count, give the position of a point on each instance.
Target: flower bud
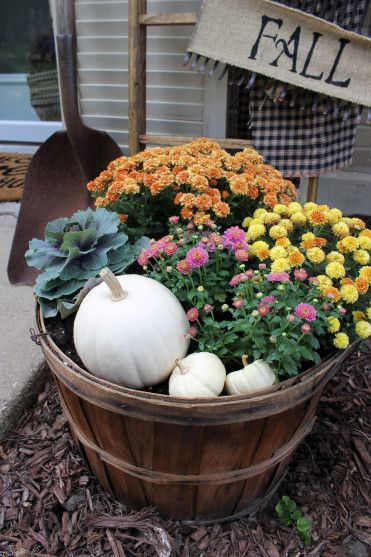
(225, 307)
(200, 288)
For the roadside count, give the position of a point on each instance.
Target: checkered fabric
(301, 140)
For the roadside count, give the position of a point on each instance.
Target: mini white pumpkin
(253, 377)
(130, 329)
(200, 374)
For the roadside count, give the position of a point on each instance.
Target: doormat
(13, 168)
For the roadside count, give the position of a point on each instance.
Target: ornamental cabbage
(74, 250)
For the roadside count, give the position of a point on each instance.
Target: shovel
(55, 182)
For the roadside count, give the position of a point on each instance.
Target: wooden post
(312, 188)
(137, 74)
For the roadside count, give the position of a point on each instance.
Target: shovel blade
(54, 187)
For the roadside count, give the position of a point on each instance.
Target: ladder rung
(189, 18)
(170, 140)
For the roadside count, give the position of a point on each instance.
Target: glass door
(29, 105)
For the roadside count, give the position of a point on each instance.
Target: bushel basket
(202, 459)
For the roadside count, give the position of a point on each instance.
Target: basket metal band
(218, 478)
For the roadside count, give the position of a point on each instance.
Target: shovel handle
(67, 66)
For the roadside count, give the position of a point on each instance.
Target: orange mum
(332, 293)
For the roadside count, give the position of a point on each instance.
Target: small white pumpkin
(253, 377)
(199, 375)
(130, 329)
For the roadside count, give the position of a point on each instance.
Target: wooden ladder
(139, 20)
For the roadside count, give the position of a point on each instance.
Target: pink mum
(233, 236)
(241, 255)
(267, 299)
(192, 314)
(197, 257)
(306, 312)
(183, 267)
(300, 274)
(170, 248)
(278, 277)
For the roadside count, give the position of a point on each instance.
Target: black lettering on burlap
(265, 20)
(295, 38)
(304, 73)
(343, 43)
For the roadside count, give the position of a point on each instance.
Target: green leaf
(106, 222)
(54, 230)
(42, 255)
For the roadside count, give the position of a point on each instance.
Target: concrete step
(22, 368)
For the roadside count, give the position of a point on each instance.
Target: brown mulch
(50, 505)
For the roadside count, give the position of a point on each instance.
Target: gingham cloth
(302, 141)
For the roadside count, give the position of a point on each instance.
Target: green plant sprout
(289, 515)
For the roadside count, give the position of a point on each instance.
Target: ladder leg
(137, 74)
(312, 188)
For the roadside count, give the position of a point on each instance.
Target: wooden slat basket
(203, 460)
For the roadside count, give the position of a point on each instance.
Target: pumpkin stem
(117, 292)
(183, 369)
(244, 359)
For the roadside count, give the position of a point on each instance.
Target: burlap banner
(287, 45)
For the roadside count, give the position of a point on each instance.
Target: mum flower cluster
(320, 243)
(237, 306)
(199, 179)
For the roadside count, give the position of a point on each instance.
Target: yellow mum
(334, 216)
(280, 265)
(340, 229)
(298, 218)
(333, 324)
(246, 222)
(335, 256)
(280, 209)
(287, 224)
(335, 270)
(256, 230)
(347, 244)
(358, 316)
(293, 207)
(341, 340)
(364, 242)
(259, 212)
(316, 255)
(324, 282)
(310, 206)
(363, 329)
(365, 273)
(308, 236)
(349, 293)
(361, 256)
(368, 311)
(277, 252)
(260, 244)
(277, 231)
(284, 242)
(271, 218)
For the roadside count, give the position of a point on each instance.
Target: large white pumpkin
(130, 332)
